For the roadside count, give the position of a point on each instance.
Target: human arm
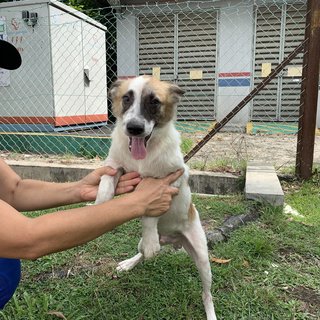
(27, 194)
(30, 238)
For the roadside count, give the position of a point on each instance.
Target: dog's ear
(174, 89)
(176, 92)
(114, 87)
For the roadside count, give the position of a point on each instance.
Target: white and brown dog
(145, 140)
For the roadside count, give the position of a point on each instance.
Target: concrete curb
(262, 184)
(215, 182)
(200, 181)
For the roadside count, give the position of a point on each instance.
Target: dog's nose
(135, 128)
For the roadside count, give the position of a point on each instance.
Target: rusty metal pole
(309, 92)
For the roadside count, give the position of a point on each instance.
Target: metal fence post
(309, 92)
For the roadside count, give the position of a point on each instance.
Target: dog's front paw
(149, 248)
(106, 189)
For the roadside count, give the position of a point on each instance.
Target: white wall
(127, 46)
(30, 90)
(55, 51)
(234, 63)
(67, 63)
(94, 55)
(78, 45)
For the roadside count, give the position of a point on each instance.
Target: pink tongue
(138, 150)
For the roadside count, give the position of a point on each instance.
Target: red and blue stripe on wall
(234, 79)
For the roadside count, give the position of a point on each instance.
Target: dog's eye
(155, 102)
(126, 99)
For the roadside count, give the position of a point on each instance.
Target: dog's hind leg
(195, 243)
(148, 246)
(129, 264)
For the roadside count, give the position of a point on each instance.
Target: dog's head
(143, 104)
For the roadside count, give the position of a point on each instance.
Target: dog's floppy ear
(176, 92)
(114, 87)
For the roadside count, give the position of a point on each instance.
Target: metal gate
(278, 31)
(182, 48)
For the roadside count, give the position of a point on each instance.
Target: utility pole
(309, 92)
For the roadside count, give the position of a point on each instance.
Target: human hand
(157, 193)
(128, 182)
(89, 184)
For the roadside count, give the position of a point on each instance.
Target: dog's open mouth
(138, 147)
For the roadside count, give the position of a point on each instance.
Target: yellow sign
(156, 72)
(196, 74)
(265, 69)
(295, 71)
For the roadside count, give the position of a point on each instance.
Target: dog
(145, 140)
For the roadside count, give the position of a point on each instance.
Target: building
(218, 51)
(61, 83)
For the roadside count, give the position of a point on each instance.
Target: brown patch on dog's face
(159, 99)
(191, 212)
(117, 91)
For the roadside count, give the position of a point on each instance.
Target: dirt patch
(309, 297)
(286, 251)
(103, 266)
(278, 150)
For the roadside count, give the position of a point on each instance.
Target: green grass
(236, 166)
(274, 272)
(186, 145)
(274, 128)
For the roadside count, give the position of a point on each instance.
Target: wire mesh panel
(156, 46)
(196, 64)
(182, 48)
(267, 51)
(216, 51)
(292, 76)
(279, 29)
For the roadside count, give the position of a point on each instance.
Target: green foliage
(186, 145)
(93, 8)
(28, 307)
(306, 198)
(76, 4)
(87, 152)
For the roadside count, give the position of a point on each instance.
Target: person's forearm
(66, 229)
(36, 195)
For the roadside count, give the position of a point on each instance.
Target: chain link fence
(217, 51)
